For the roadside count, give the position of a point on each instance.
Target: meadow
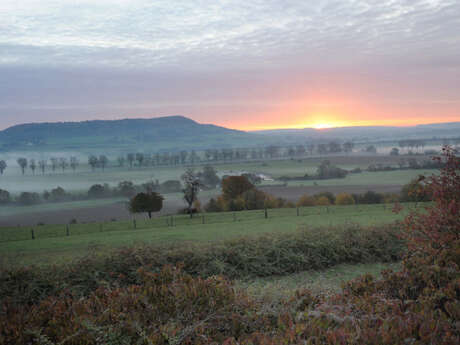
(60, 243)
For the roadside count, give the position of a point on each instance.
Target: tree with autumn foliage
(437, 228)
(234, 186)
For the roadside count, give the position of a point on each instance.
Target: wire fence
(9, 234)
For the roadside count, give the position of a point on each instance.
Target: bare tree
(140, 158)
(191, 189)
(183, 157)
(121, 161)
(22, 162)
(32, 166)
(42, 165)
(322, 149)
(103, 160)
(74, 163)
(300, 151)
(3, 166)
(54, 163)
(130, 157)
(194, 157)
(348, 146)
(63, 163)
(93, 162)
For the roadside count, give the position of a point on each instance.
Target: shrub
(5, 197)
(254, 199)
(171, 186)
(197, 205)
(328, 195)
(212, 206)
(391, 198)
(127, 189)
(327, 171)
(27, 198)
(371, 197)
(344, 199)
(58, 194)
(306, 200)
(97, 191)
(273, 254)
(236, 204)
(415, 191)
(209, 177)
(322, 201)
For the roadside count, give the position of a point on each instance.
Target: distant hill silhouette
(171, 132)
(174, 133)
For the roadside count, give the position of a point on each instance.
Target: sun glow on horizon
(323, 126)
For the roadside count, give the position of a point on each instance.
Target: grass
(324, 281)
(57, 206)
(51, 245)
(397, 177)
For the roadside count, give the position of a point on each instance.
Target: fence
(49, 231)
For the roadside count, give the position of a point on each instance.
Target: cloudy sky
(242, 64)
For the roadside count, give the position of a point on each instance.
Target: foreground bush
(273, 254)
(165, 308)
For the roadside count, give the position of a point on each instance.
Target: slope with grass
(52, 245)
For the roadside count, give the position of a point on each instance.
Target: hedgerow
(272, 254)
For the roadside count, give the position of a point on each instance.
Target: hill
(155, 134)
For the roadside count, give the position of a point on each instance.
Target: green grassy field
(325, 281)
(381, 178)
(51, 245)
(65, 205)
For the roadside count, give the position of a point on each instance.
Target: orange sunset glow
(362, 67)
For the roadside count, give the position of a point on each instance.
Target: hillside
(163, 133)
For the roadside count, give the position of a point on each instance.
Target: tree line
(139, 159)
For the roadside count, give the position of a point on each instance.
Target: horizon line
(320, 127)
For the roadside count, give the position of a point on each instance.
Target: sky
(259, 64)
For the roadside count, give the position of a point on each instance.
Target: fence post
(172, 221)
(67, 232)
(202, 219)
(134, 224)
(297, 211)
(32, 232)
(234, 216)
(167, 222)
(266, 213)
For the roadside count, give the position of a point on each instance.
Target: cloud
(146, 33)
(112, 55)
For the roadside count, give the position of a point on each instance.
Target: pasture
(59, 244)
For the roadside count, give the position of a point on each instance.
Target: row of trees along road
(208, 156)
(42, 165)
(180, 158)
